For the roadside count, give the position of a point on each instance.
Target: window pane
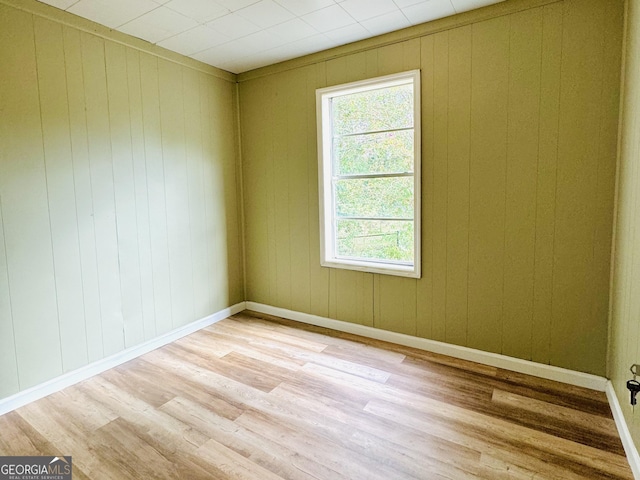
(388, 152)
(375, 197)
(375, 239)
(381, 109)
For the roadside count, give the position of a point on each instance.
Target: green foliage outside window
(373, 110)
(375, 197)
(385, 152)
(375, 240)
(373, 135)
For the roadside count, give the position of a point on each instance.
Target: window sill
(409, 271)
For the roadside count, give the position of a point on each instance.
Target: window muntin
(369, 166)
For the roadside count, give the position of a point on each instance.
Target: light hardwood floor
(257, 397)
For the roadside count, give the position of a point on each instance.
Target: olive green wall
(118, 208)
(519, 119)
(624, 348)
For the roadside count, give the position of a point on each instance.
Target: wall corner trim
(623, 430)
(548, 372)
(71, 378)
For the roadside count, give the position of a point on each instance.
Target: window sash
(328, 167)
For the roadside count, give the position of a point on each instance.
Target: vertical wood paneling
(458, 138)
(124, 192)
(577, 177)
(487, 171)
(157, 200)
(440, 179)
(610, 101)
(334, 274)
(357, 67)
(257, 251)
(394, 306)
(280, 191)
(354, 297)
(225, 223)
(220, 204)
(173, 126)
(366, 300)
(94, 161)
(210, 197)
(319, 277)
(399, 57)
(28, 244)
(143, 243)
(371, 63)
(546, 181)
(336, 71)
(606, 170)
(391, 59)
(522, 167)
(344, 294)
(424, 300)
(83, 191)
(298, 180)
(9, 379)
(104, 209)
(193, 134)
(226, 130)
(270, 194)
(61, 192)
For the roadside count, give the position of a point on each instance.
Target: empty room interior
(319, 239)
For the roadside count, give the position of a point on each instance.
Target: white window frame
(328, 257)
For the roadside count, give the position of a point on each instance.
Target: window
(369, 174)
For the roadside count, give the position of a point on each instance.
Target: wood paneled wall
(624, 348)
(519, 116)
(118, 208)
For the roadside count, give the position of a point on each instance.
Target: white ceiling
(240, 35)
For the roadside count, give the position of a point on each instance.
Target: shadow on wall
(118, 208)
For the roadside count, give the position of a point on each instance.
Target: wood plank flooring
(262, 398)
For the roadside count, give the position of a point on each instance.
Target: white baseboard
(56, 384)
(623, 430)
(549, 372)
